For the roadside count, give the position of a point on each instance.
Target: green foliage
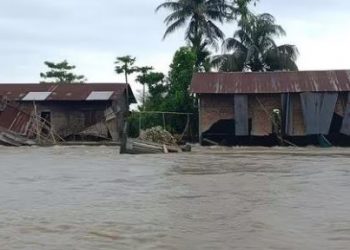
(125, 65)
(146, 120)
(157, 91)
(169, 94)
(142, 79)
(61, 73)
(200, 49)
(180, 76)
(200, 17)
(252, 48)
(179, 98)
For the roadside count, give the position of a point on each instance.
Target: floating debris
(158, 135)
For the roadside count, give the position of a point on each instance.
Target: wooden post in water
(124, 139)
(37, 125)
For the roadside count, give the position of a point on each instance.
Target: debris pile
(157, 135)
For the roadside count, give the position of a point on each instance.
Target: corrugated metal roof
(271, 82)
(15, 119)
(63, 92)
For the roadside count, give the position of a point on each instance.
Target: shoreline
(221, 150)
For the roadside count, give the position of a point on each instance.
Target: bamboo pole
(38, 132)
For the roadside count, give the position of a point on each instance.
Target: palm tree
(125, 65)
(200, 17)
(252, 48)
(202, 54)
(142, 79)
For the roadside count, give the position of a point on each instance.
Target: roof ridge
(272, 72)
(70, 84)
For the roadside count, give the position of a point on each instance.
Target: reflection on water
(92, 198)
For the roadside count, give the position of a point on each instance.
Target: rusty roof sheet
(63, 92)
(271, 82)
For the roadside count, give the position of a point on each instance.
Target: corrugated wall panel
(318, 110)
(241, 115)
(310, 105)
(346, 121)
(328, 103)
(287, 106)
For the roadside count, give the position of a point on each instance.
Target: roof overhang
(271, 82)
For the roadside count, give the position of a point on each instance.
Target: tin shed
(259, 107)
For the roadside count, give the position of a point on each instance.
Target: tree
(157, 91)
(61, 73)
(179, 98)
(169, 94)
(202, 53)
(125, 65)
(252, 48)
(143, 78)
(182, 68)
(200, 17)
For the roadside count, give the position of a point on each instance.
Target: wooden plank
(345, 129)
(241, 115)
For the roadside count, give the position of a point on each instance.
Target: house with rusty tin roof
(92, 111)
(271, 108)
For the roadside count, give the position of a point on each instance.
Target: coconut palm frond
(255, 43)
(174, 26)
(228, 62)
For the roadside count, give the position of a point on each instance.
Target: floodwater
(91, 198)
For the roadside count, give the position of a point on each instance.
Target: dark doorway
(46, 122)
(223, 133)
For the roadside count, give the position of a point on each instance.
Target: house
(92, 111)
(261, 108)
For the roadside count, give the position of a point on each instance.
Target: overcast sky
(91, 33)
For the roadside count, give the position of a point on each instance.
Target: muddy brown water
(91, 198)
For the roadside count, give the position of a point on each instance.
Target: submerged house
(269, 107)
(65, 111)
